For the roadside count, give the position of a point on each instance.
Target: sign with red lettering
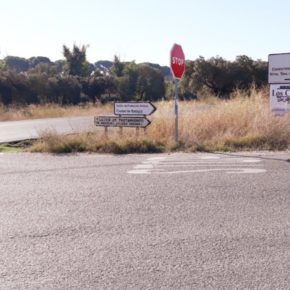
(177, 61)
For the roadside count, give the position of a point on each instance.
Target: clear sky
(145, 30)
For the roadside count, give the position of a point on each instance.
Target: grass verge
(7, 148)
(90, 142)
(241, 123)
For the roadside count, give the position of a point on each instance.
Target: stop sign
(177, 61)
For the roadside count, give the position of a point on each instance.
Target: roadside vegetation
(16, 113)
(239, 123)
(224, 104)
(73, 80)
(10, 148)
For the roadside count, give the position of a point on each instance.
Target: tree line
(74, 80)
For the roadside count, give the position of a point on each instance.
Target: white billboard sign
(113, 121)
(134, 108)
(280, 98)
(279, 68)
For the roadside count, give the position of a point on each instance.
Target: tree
(69, 89)
(190, 86)
(221, 77)
(5, 90)
(94, 87)
(43, 69)
(150, 83)
(2, 64)
(126, 86)
(260, 73)
(76, 62)
(117, 67)
(39, 85)
(34, 61)
(140, 82)
(16, 63)
(59, 66)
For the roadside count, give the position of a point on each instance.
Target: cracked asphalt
(161, 221)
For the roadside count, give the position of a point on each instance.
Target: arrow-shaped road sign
(114, 121)
(134, 108)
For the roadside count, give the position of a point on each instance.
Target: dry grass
(241, 123)
(91, 142)
(51, 111)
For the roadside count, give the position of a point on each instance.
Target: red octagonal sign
(177, 61)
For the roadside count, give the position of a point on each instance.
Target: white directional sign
(134, 108)
(114, 121)
(280, 98)
(279, 68)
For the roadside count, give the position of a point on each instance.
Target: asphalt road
(178, 221)
(32, 129)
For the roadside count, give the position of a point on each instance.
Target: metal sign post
(177, 65)
(176, 111)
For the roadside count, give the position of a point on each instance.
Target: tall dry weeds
(244, 122)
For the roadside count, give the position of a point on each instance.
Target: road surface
(32, 129)
(164, 221)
